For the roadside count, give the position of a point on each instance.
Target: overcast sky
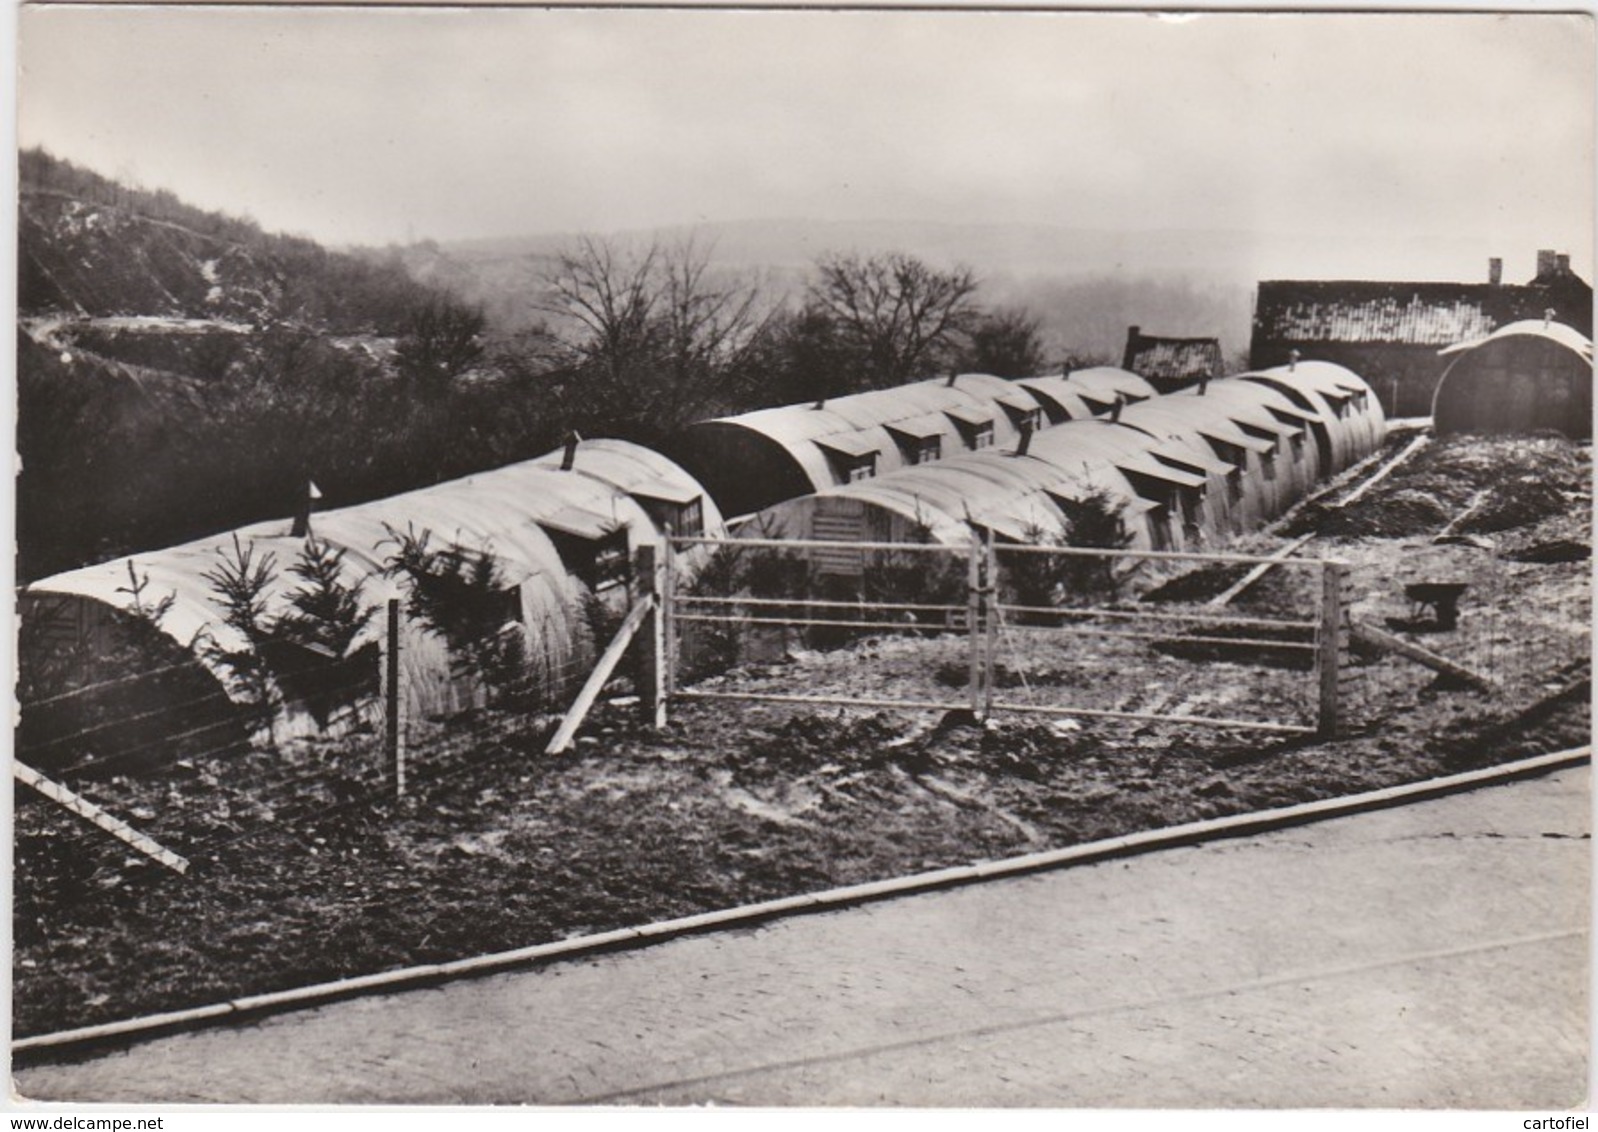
(384, 125)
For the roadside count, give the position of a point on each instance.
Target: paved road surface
(1434, 955)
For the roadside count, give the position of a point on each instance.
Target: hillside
(89, 246)
(181, 372)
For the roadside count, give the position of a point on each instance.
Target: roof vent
(302, 515)
(569, 457)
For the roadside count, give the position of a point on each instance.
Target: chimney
(569, 457)
(302, 515)
(1292, 360)
(1548, 316)
(950, 383)
(1115, 409)
(1026, 439)
(1204, 384)
(821, 403)
(1495, 272)
(1546, 261)
(1133, 333)
(1562, 264)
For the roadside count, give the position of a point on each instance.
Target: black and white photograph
(632, 558)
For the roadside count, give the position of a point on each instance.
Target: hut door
(838, 520)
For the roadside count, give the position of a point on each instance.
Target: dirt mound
(1198, 585)
(1552, 551)
(1519, 502)
(1507, 482)
(1398, 513)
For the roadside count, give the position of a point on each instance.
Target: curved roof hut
(1523, 377)
(555, 538)
(751, 461)
(1188, 470)
(1083, 393)
(1348, 422)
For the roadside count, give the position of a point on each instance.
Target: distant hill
(1086, 286)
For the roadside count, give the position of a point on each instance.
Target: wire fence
(1278, 644)
(1047, 630)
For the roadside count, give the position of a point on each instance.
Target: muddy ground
(735, 802)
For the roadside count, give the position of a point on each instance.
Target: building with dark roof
(1170, 364)
(1390, 332)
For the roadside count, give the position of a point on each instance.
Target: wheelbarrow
(1440, 598)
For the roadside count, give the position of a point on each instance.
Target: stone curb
(69, 1042)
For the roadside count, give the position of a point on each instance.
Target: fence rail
(1002, 609)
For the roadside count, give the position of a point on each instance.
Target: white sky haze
(382, 125)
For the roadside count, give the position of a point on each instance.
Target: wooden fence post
(651, 640)
(990, 622)
(973, 622)
(1331, 641)
(668, 620)
(393, 748)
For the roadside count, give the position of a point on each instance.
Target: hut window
(977, 436)
(924, 450)
(1024, 419)
(610, 564)
(684, 519)
(848, 467)
(1160, 528)
(1189, 499)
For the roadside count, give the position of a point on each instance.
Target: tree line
(634, 341)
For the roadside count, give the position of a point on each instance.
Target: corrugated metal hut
(1083, 393)
(559, 539)
(1526, 376)
(1190, 470)
(751, 461)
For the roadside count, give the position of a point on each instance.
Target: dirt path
(1433, 955)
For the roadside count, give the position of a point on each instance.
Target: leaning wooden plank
(598, 678)
(1414, 446)
(1254, 575)
(84, 808)
(1382, 639)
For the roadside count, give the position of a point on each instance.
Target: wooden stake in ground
(84, 808)
(1386, 641)
(597, 679)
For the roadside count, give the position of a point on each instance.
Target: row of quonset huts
(937, 458)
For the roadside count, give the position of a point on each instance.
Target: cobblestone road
(1433, 955)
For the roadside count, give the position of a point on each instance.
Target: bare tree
(442, 340)
(648, 338)
(898, 318)
(1005, 342)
